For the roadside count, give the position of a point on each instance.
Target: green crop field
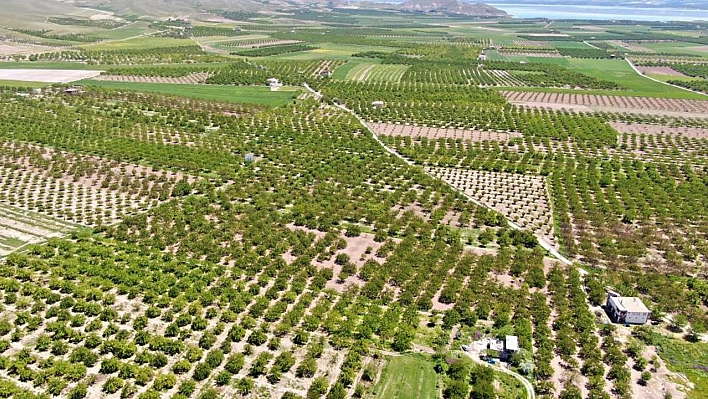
(139, 43)
(19, 83)
(406, 377)
(231, 94)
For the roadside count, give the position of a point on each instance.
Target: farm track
(520, 198)
(659, 81)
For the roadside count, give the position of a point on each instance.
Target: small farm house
(274, 84)
(629, 310)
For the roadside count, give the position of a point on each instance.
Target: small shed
(377, 104)
(274, 84)
(511, 343)
(250, 157)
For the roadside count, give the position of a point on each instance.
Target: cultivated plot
(46, 75)
(19, 228)
(609, 103)
(78, 188)
(192, 78)
(391, 129)
(521, 198)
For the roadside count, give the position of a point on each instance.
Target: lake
(601, 12)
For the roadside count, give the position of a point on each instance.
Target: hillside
(453, 7)
(15, 13)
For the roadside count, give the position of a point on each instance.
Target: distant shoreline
(575, 11)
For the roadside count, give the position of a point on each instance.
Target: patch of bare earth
(192, 78)
(659, 70)
(552, 106)
(640, 128)
(663, 381)
(9, 48)
(647, 105)
(359, 249)
(391, 129)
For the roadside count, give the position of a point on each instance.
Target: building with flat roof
(627, 309)
(511, 344)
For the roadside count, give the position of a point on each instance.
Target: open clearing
(609, 103)
(390, 129)
(260, 95)
(406, 377)
(659, 70)
(46, 75)
(642, 128)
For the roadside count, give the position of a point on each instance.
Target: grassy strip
(139, 43)
(406, 377)
(687, 358)
(259, 95)
(617, 71)
(23, 84)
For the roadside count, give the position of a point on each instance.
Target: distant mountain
(33, 13)
(452, 7)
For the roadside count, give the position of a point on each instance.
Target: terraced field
(376, 73)
(19, 227)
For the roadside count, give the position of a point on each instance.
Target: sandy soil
(193, 78)
(8, 48)
(632, 47)
(692, 132)
(663, 380)
(266, 43)
(612, 103)
(506, 280)
(389, 129)
(552, 106)
(46, 75)
(659, 70)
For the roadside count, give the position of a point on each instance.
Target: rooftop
(629, 304)
(512, 343)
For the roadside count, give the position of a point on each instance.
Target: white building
(274, 84)
(628, 310)
(511, 344)
(377, 104)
